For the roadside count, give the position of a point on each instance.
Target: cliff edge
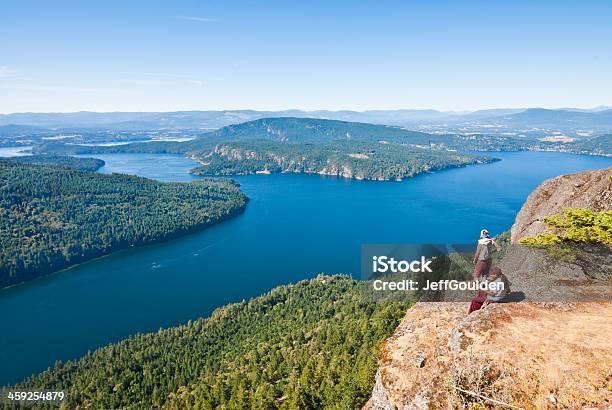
(551, 350)
(525, 355)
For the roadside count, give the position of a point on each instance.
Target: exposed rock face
(530, 355)
(545, 278)
(380, 396)
(590, 190)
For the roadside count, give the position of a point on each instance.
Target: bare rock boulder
(589, 190)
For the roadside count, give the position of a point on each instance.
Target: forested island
(346, 158)
(302, 130)
(52, 217)
(319, 132)
(309, 345)
(81, 164)
(348, 149)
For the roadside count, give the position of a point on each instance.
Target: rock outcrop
(589, 190)
(552, 349)
(527, 355)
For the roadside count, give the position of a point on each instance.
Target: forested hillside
(82, 164)
(350, 159)
(316, 131)
(302, 130)
(52, 217)
(601, 145)
(313, 130)
(309, 345)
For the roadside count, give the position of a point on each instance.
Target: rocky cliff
(590, 190)
(552, 349)
(526, 355)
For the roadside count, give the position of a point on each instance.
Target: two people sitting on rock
(495, 278)
(484, 254)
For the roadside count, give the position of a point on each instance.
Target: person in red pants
(484, 254)
(478, 301)
(483, 298)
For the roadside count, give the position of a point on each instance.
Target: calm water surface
(6, 152)
(294, 227)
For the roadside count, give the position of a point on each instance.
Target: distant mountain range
(539, 117)
(511, 120)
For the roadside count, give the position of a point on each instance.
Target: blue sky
(177, 55)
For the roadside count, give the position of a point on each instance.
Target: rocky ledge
(527, 355)
(551, 348)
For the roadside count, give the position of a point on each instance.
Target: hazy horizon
(457, 112)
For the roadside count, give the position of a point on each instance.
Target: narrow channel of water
(294, 227)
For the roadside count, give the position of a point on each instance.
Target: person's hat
(484, 233)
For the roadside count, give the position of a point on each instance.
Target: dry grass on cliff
(527, 355)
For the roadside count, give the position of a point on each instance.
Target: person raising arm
(484, 254)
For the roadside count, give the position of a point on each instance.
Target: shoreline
(177, 235)
(350, 176)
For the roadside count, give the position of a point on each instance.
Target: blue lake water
(14, 151)
(162, 167)
(294, 227)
